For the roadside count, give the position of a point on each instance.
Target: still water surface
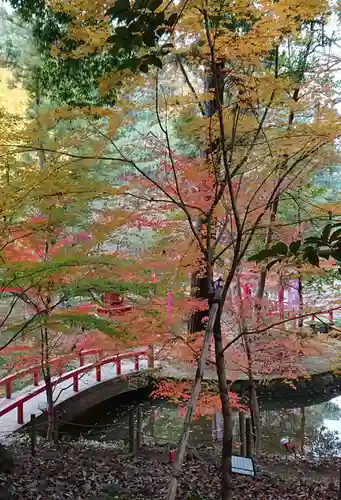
(162, 423)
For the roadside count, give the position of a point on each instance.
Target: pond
(162, 424)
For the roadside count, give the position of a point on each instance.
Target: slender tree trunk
(226, 462)
(259, 295)
(302, 429)
(49, 399)
(199, 290)
(171, 495)
(48, 385)
(300, 301)
(254, 406)
(201, 284)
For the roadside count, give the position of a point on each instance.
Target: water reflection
(313, 428)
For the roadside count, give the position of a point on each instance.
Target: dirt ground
(79, 472)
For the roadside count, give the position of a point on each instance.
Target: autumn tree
(62, 243)
(263, 135)
(128, 32)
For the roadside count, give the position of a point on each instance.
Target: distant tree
(133, 41)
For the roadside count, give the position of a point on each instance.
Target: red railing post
(331, 316)
(118, 366)
(81, 359)
(75, 382)
(150, 356)
(137, 363)
(98, 373)
(36, 377)
(8, 387)
(20, 413)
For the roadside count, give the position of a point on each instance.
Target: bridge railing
(56, 365)
(96, 365)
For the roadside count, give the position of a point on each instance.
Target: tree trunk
(300, 301)
(226, 460)
(46, 369)
(171, 495)
(201, 285)
(254, 406)
(258, 311)
(49, 400)
(199, 290)
(302, 429)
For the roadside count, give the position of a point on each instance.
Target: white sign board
(242, 465)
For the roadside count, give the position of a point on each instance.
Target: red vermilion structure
(136, 355)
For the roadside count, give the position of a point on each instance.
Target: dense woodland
(183, 155)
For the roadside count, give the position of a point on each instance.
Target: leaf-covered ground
(83, 473)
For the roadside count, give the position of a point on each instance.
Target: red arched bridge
(94, 367)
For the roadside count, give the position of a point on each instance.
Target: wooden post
(36, 377)
(214, 431)
(302, 429)
(81, 359)
(138, 428)
(248, 434)
(33, 434)
(75, 382)
(20, 410)
(131, 432)
(242, 433)
(150, 357)
(118, 366)
(137, 363)
(98, 373)
(8, 387)
(281, 300)
(55, 425)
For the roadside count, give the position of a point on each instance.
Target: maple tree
(259, 126)
(59, 244)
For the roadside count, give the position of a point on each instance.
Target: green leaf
(260, 256)
(153, 4)
(172, 20)
(326, 233)
(335, 235)
(90, 322)
(122, 32)
(279, 248)
(324, 251)
(154, 61)
(144, 67)
(312, 239)
(149, 38)
(310, 254)
(295, 246)
(120, 8)
(336, 254)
